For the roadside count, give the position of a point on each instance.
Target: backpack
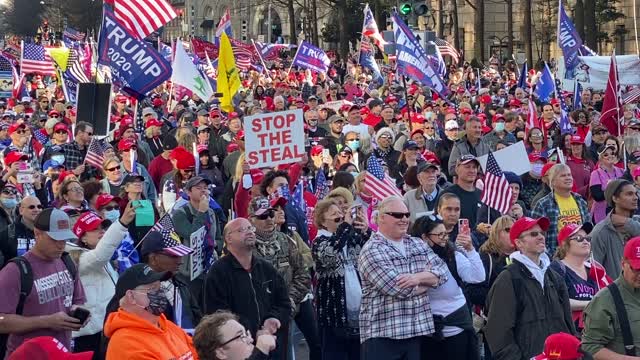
(623, 319)
(26, 284)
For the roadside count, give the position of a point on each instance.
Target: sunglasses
(89, 133)
(113, 169)
(338, 219)
(31, 207)
(270, 214)
(54, 116)
(507, 229)
(21, 132)
(536, 233)
(9, 191)
(429, 128)
(111, 208)
(441, 235)
(398, 215)
(581, 239)
(61, 132)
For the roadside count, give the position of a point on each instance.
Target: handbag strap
(627, 337)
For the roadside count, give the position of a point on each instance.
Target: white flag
(186, 74)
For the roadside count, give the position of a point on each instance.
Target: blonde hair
(108, 161)
(320, 210)
(186, 139)
(382, 206)
(359, 181)
(343, 193)
(492, 245)
(238, 173)
(555, 171)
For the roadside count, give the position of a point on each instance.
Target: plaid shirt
(74, 157)
(388, 311)
(548, 207)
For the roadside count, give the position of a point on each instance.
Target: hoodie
(536, 270)
(132, 337)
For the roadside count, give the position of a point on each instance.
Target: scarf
(267, 243)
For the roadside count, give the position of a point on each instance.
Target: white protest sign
(513, 158)
(197, 257)
(273, 139)
(336, 105)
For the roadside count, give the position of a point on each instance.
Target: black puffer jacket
(522, 314)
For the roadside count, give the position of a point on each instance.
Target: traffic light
(405, 9)
(420, 9)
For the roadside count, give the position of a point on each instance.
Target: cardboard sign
(197, 257)
(513, 158)
(274, 138)
(6, 84)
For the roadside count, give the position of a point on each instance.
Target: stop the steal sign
(273, 139)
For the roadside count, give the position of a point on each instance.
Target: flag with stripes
(497, 192)
(437, 62)
(577, 95)
(368, 60)
(5, 63)
(370, 28)
(75, 67)
(95, 153)
(631, 96)
(142, 17)
(377, 183)
(271, 52)
(224, 26)
(321, 185)
(565, 124)
(19, 91)
(447, 49)
(35, 59)
(71, 35)
(170, 240)
(297, 199)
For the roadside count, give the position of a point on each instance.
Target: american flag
(5, 63)
(370, 28)
(224, 26)
(142, 17)
(447, 49)
(18, 89)
(95, 153)
(377, 183)
(76, 69)
(170, 240)
(321, 185)
(297, 199)
(577, 95)
(497, 192)
(631, 96)
(40, 136)
(565, 124)
(532, 117)
(271, 51)
(73, 34)
(36, 60)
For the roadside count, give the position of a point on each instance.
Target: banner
(71, 87)
(593, 71)
(513, 158)
(273, 139)
(312, 58)
(186, 74)
(412, 60)
(135, 66)
(6, 84)
(198, 257)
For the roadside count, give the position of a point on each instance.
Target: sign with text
(198, 256)
(312, 58)
(136, 66)
(513, 158)
(274, 138)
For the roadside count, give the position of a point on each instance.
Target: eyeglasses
(270, 214)
(43, 120)
(338, 219)
(31, 207)
(244, 230)
(188, 171)
(352, 139)
(21, 132)
(398, 215)
(111, 208)
(581, 239)
(204, 131)
(243, 336)
(535, 234)
(113, 169)
(441, 235)
(53, 117)
(9, 191)
(76, 190)
(429, 128)
(386, 137)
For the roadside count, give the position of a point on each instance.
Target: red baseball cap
(104, 199)
(390, 99)
(121, 98)
(126, 144)
(632, 252)
(515, 103)
(485, 99)
(14, 156)
(153, 122)
(577, 139)
(14, 127)
(525, 223)
(65, 174)
(571, 229)
(232, 147)
(561, 346)
(60, 126)
(185, 160)
(317, 150)
(536, 156)
(53, 112)
(546, 168)
(157, 102)
(202, 147)
(418, 118)
(232, 115)
(46, 348)
(88, 221)
(554, 101)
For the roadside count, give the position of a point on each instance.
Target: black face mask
(441, 251)
(158, 302)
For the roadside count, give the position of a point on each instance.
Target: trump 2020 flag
(497, 192)
(412, 59)
(368, 60)
(569, 41)
(370, 28)
(186, 74)
(312, 58)
(546, 84)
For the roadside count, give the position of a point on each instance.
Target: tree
(23, 17)
(546, 25)
(606, 12)
(528, 43)
(347, 20)
(590, 33)
(578, 18)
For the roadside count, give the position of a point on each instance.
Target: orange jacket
(132, 337)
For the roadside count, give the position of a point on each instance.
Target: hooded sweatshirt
(537, 270)
(132, 337)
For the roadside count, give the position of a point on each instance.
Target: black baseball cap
(138, 274)
(131, 178)
(195, 181)
(169, 142)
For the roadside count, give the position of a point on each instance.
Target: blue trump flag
(522, 80)
(135, 65)
(569, 41)
(545, 85)
(412, 60)
(577, 95)
(312, 58)
(368, 60)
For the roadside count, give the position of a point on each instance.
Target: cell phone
(81, 314)
(354, 212)
(463, 227)
(325, 153)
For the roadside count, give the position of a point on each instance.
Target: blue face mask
(354, 144)
(9, 203)
(428, 115)
(58, 158)
(354, 173)
(112, 215)
(499, 127)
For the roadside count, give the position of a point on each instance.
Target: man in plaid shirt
(75, 152)
(396, 271)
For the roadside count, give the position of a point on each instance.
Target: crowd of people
(101, 261)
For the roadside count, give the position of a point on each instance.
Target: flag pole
(294, 57)
(261, 59)
(635, 27)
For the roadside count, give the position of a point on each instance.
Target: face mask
(112, 215)
(313, 123)
(536, 169)
(354, 145)
(428, 115)
(354, 173)
(158, 302)
(58, 158)
(499, 127)
(9, 203)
